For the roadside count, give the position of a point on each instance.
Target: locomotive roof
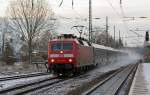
(77, 40)
(65, 40)
(86, 43)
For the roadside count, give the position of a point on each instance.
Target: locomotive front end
(61, 56)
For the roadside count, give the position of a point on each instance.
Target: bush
(9, 60)
(8, 55)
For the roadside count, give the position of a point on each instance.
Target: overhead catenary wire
(106, 0)
(78, 15)
(63, 1)
(122, 15)
(125, 24)
(118, 14)
(111, 5)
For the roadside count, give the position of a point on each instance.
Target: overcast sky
(101, 9)
(110, 8)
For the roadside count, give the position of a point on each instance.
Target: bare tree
(30, 18)
(101, 39)
(8, 56)
(43, 41)
(4, 29)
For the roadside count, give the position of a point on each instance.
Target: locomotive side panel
(112, 57)
(100, 56)
(85, 56)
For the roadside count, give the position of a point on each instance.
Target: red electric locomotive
(67, 54)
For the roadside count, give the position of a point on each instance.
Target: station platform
(141, 81)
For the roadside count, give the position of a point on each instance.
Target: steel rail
(22, 76)
(107, 79)
(132, 72)
(29, 87)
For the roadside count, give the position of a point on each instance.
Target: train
(68, 54)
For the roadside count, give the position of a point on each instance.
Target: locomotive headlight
(70, 60)
(52, 60)
(61, 51)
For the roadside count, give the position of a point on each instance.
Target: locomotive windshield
(62, 46)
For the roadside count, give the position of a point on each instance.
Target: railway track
(22, 76)
(30, 87)
(105, 87)
(112, 84)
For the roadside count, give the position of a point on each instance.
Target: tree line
(31, 20)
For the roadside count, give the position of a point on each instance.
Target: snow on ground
(66, 86)
(8, 74)
(2, 75)
(11, 83)
(146, 67)
(20, 68)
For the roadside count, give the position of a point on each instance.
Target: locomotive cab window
(67, 46)
(62, 46)
(56, 46)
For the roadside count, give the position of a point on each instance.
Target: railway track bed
(29, 86)
(115, 83)
(17, 80)
(72, 86)
(76, 85)
(22, 76)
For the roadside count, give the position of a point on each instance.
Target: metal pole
(79, 29)
(90, 20)
(114, 36)
(106, 30)
(4, 31)
(119, 39)
(107, 55)
(3, 43)
(119, 34)
(32, 4)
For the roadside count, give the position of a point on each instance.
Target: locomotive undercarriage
(62, 69)
(69, 69)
